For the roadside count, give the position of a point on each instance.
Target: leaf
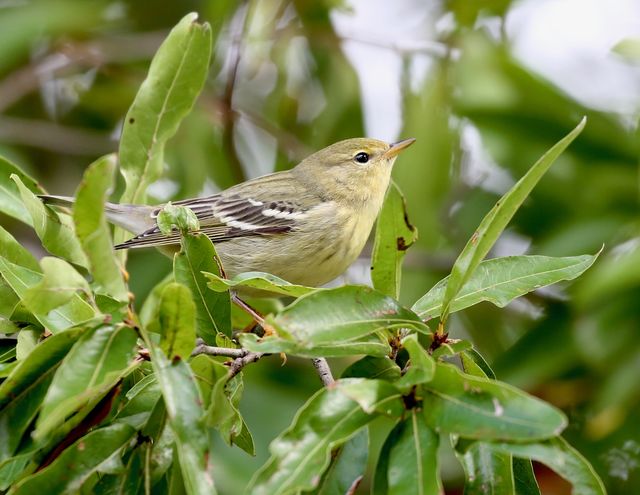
(213, 310)
(348, 466)
(524, 478)
(394, 235)
(374, 344)
(557, 454)
(55, 230)
(451, 347)
(501, 280)
(480, 408)
(14, 252)
(497, 219)
(141, 400)
(77, 463)
(207, 371)
(177, 217)
(92, 230)
(10, 199)
(176, 76)
(629, 49)
(412, 463)
(43, 359)
(381, 368)
(258, 280)
(342, 314)
(94, 365)
(75, 312)
(59, 283)
(422, 367)
(27, 340)
(329, 418)
(177, 321)
(185, 413)
(486, 470)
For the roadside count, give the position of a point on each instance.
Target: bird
(306, 225)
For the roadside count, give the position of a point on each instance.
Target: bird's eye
(362, 157)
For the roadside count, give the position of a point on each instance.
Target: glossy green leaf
(177, 321)
(14, 252)
(342, 314)
(92, 230)
(75, 312)
(185, 413)
(176, 217)
(260, 281)
(497, 219)
(94, 365)
(557, 454)
(501, 280)
(141, 400)
(394, 235)
(412, 463)
(40, 361)
(480, 408)
(10, 200)
(374, 344)
(421, 366)
(54, 229)
(59, 283)
(372, 367)
(348, 466)
(207, 371)
(524, 478)
(213, 309)
(486, 470)
(73, 467)
(301, 454)
(176, 76)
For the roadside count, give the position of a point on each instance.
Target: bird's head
(358, 168)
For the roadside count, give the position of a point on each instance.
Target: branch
(219, 351)
(324, 372)
(241, 362)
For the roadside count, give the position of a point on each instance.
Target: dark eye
(362, 157)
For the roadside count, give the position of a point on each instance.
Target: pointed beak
(398, 147)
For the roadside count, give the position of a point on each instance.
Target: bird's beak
(398, 147)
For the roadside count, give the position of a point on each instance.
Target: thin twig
(324, 372)
(219, 351)
(241, 362)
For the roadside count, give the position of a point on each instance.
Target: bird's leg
(258, 318)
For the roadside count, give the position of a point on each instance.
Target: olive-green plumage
(306, 225)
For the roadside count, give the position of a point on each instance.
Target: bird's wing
(241, 211)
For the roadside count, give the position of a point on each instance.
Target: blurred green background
(485, 86)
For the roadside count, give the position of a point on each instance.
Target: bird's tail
(134, 218)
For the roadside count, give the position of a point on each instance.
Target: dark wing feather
(225, 217)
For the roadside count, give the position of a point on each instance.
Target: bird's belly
(316, 259)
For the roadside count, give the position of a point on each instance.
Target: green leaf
(27, 341)
(381, 368)
(59, 283)
(176, 76)
(94, 365)
(13, 251)
(557, 454)
(213, 310)
(40, 361)
(486, 470)
(10, 199)
(374, 344)
(260, 281)
(412, 463)
(501, 280)
(422, 367)
(628, 48)
(55, 230)
(348, 466)
(177, 321)
(90, 454)
(394, 235)
(75, 312)
(177, 217)
(92, 229)
(524, 478)
(342, 314)
(480, 408)
(207, 371)
(185, 413)
(451, 347)
(497, 219)
(141, 400)
(301, 454)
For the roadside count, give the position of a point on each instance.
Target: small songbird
(305, 225)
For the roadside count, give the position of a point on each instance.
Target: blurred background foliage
(485, 87)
